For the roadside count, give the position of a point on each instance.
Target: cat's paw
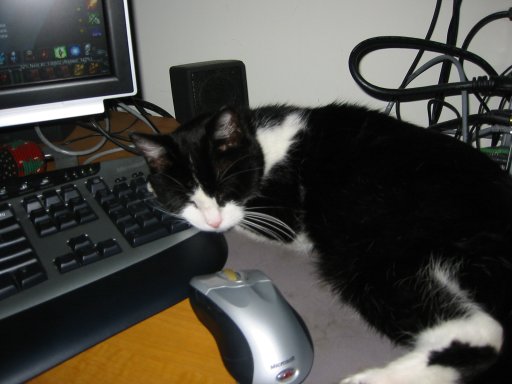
(371, 376)
(404, 374)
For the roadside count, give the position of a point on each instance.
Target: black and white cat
(410, 227)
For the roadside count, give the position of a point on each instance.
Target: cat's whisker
(260, 228)
(272, 224)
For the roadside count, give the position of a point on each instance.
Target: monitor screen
(62, 58)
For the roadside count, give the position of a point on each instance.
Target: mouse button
(252, 276)
(234, 296)
(205, 284)
(265, 290)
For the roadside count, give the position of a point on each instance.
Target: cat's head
(206, 170)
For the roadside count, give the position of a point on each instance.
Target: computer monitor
(62, 58)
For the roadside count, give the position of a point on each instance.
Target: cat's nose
(213, 218)
(214, 223)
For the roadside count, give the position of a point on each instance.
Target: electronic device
(86, 252)
(62, 58)
(261, 338)
(207, 86)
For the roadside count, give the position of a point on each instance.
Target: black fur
(381, 201)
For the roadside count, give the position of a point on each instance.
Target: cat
(410, 227)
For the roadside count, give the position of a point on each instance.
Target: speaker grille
(207, 86)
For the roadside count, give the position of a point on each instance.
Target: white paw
(407, 370)
(371, 376)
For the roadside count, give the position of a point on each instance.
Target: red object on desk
(21, 158)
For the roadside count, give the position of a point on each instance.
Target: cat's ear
(227, 130)
(153, 149)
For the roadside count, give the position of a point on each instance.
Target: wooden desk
(170, 347)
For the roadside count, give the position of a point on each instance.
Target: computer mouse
(261, 338)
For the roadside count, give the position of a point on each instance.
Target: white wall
(296, 51)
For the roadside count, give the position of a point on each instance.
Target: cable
(67, 151)
(482, 23)
(98, 155)
(140, 116)
(417, 59)
(451, 40)
(464, 94)
(113, 139)
(494, 83)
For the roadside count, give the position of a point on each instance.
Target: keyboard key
(58, 209)
(39, 215)
(108, 248)
(128, 226)
(138, 184)
(15, 250)
(138, 209)
(145, 235)
(77, 203)
(65, 221)
(46, 227)
(6, 212)
(147, 219)
(121, 215)
(30, 275)
(31, 203)
(179, 225)
(50, 198)
(87, 254)
(129, 200)
(9, 265)
(7, 286)
(85, 215)
(9, 238)
(69, 192)
(9, 225)
(66, 263)
(112, 206)
(104, 195)
(75, 243)
(121, 189)
(95, 184)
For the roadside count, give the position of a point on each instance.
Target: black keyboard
(86, 252)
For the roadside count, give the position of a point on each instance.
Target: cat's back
(354, 138)
(367, 164)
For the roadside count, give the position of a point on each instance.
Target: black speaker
(207, 86)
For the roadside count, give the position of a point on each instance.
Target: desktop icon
(75, 50)
(92, 5)
(13, 57)
(44, 54)
(60, 52)
(79, 69)
(5, 78)
(93, 18)
(29, 56)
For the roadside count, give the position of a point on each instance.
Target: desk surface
(170, 347)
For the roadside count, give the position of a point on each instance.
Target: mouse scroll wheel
(231, 275)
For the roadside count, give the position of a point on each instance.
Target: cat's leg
(443, 354)
(461, 342)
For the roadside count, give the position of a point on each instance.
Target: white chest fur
(275, 141)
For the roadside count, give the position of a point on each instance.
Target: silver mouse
(261, 338)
